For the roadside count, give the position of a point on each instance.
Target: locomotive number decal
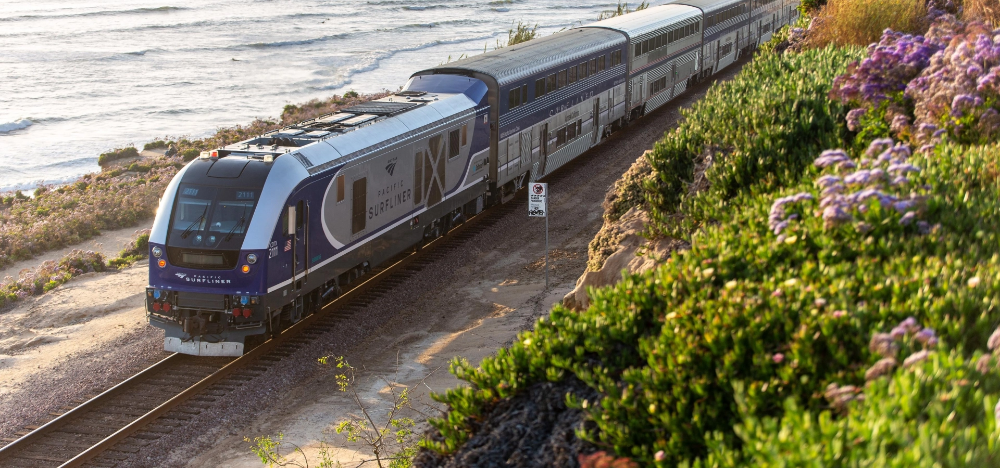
(272, 249)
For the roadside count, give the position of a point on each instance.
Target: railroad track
(110, 427)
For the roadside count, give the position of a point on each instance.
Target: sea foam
(14, 126)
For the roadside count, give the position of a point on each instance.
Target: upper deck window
(513, 98)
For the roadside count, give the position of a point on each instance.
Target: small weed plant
(390, 438)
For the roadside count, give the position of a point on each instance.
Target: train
(252, 237)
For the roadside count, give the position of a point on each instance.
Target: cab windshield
(213, 218)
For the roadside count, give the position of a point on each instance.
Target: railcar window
(524, 94)
(658, 85)
(600, 63)
(539, 88)
(579, 127)
(562, 79)
(560, 137)
(513, 98)
(359, 194)
(570, 132)
(465, 131)
(572, 74)
(454, 146)
(638, 50)
(418, 178)
(550, 83)
(300, 215)
(656, 41)
(582, 70)
(340, 188)
(593, 66)
(616, 59)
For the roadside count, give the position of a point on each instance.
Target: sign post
(538, 206)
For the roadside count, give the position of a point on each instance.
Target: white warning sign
(538, 199)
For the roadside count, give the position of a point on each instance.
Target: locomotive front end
(206, 291)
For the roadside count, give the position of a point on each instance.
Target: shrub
(156, 144)
(937, 412)
(775, 132)
(861, 22)
(136, 250)
(783, 317)
(117, 154)
(190, 154)
(49, 275)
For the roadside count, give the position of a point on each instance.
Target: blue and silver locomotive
(254, 236)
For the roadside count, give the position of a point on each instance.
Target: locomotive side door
(298, 239)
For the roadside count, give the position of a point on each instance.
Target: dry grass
(861, 22)
(983, 10)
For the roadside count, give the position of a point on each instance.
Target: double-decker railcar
(252, 237)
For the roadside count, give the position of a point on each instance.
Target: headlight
(251, 258)
(157, 252)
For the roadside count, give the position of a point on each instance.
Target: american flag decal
(288, 245)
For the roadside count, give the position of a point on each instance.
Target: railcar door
(596, 124)
(543, 147)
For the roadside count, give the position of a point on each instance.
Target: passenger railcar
(252, 237)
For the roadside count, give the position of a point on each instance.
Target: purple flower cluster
(891, 63)
(778, 219)
(955, 91)
(848, 187)
(887, 345)
(950, 75)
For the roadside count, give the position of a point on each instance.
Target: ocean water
(80, 77)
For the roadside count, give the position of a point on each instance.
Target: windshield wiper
(239, 223)
(187, 232)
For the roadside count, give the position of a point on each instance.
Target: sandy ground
(63, 341)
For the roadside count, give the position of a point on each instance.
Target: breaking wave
(15, 125)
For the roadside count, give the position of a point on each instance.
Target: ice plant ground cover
(838, 306)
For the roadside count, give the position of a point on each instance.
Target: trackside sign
(537, 199)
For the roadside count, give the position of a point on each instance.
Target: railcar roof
(512, 64)
(650, 19)
(708, 6)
